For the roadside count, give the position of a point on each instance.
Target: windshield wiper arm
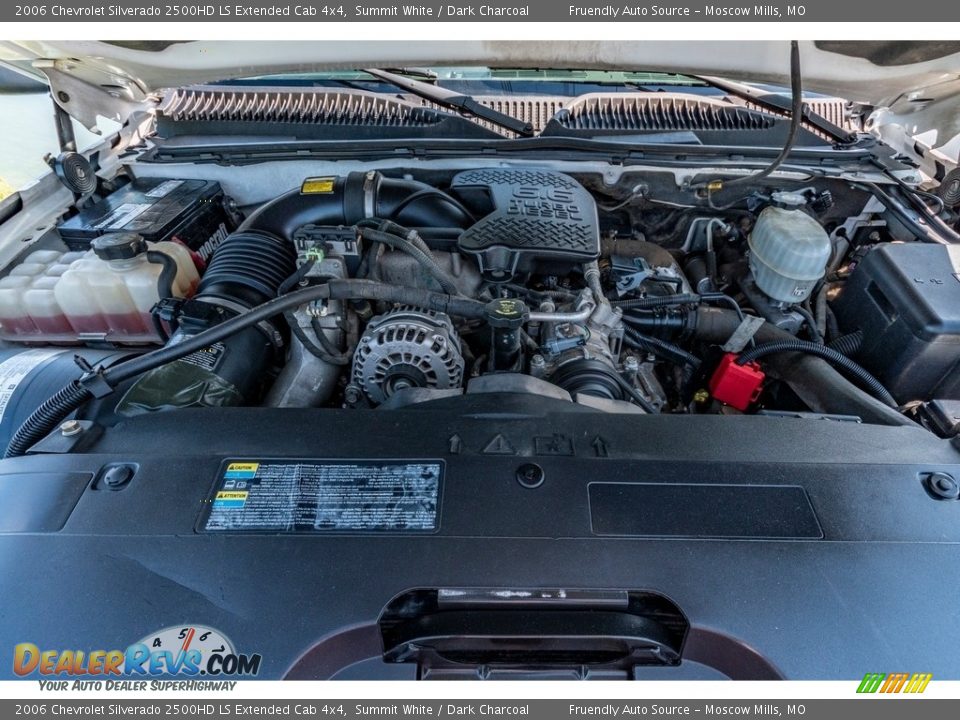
(424, 74)
(454, 101)
(780, 104)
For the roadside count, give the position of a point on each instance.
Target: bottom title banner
(876, 709)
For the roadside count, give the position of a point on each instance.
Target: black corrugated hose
(53, 411)
(848, 344)
(868, 381)
(656, 301)
(45, 418)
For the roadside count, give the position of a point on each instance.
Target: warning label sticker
(15, 369)
(329, 495)
(122, 215)
(165, 188)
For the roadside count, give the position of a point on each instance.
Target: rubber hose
(675, 354)
(336, 355)
(591, 274)
(820, 311)
(848, 344)
(168, 274)
(309, 345)
(165, 280)
(870, 383)
(796, 119)
(636, 395)
(46, 417)
(813, 379)
(334, 290)
(811, 324)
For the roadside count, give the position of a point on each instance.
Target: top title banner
(470, 11)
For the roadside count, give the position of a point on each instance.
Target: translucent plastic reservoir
(40, 302)
(13, 314)
(68, 297)
(789, 251)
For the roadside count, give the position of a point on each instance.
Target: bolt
(538, 361)
(631, 364)
(530, 475)
(352, 394)
(942, 486)
(117, 476)
(71, 428)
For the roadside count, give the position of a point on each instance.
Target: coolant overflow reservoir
(789, 250)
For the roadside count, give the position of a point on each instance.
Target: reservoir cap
(119, 246)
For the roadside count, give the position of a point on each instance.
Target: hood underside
(873, 72)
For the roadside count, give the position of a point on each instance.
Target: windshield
(489, 81)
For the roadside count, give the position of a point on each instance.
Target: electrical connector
(737, 385)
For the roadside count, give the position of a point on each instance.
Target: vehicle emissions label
(311, 496)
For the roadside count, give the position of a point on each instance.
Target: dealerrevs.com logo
(185, 650)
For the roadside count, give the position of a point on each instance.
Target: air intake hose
(348, 199)
(100, 382)
(246, 271)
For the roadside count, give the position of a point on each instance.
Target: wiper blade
(780, 104)
(424, 74)
(455, 101)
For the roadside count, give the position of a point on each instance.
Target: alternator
(405, 348)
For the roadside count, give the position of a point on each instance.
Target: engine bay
(384, 289)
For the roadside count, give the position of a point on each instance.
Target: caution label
(317, 186)
(325, 496)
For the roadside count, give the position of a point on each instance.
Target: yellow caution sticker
(249, 467)
(317, 186)
(232, 495)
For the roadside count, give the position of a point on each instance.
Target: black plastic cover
(906, 300)
(878, 586)
(537, 217)
(672, 118)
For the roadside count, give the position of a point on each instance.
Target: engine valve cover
(538, 218)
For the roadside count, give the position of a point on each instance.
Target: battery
(191, 212)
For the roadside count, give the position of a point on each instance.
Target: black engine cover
(537, 219)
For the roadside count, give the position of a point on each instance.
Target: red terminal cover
(736, 385)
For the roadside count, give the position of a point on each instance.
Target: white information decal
(14, 370)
